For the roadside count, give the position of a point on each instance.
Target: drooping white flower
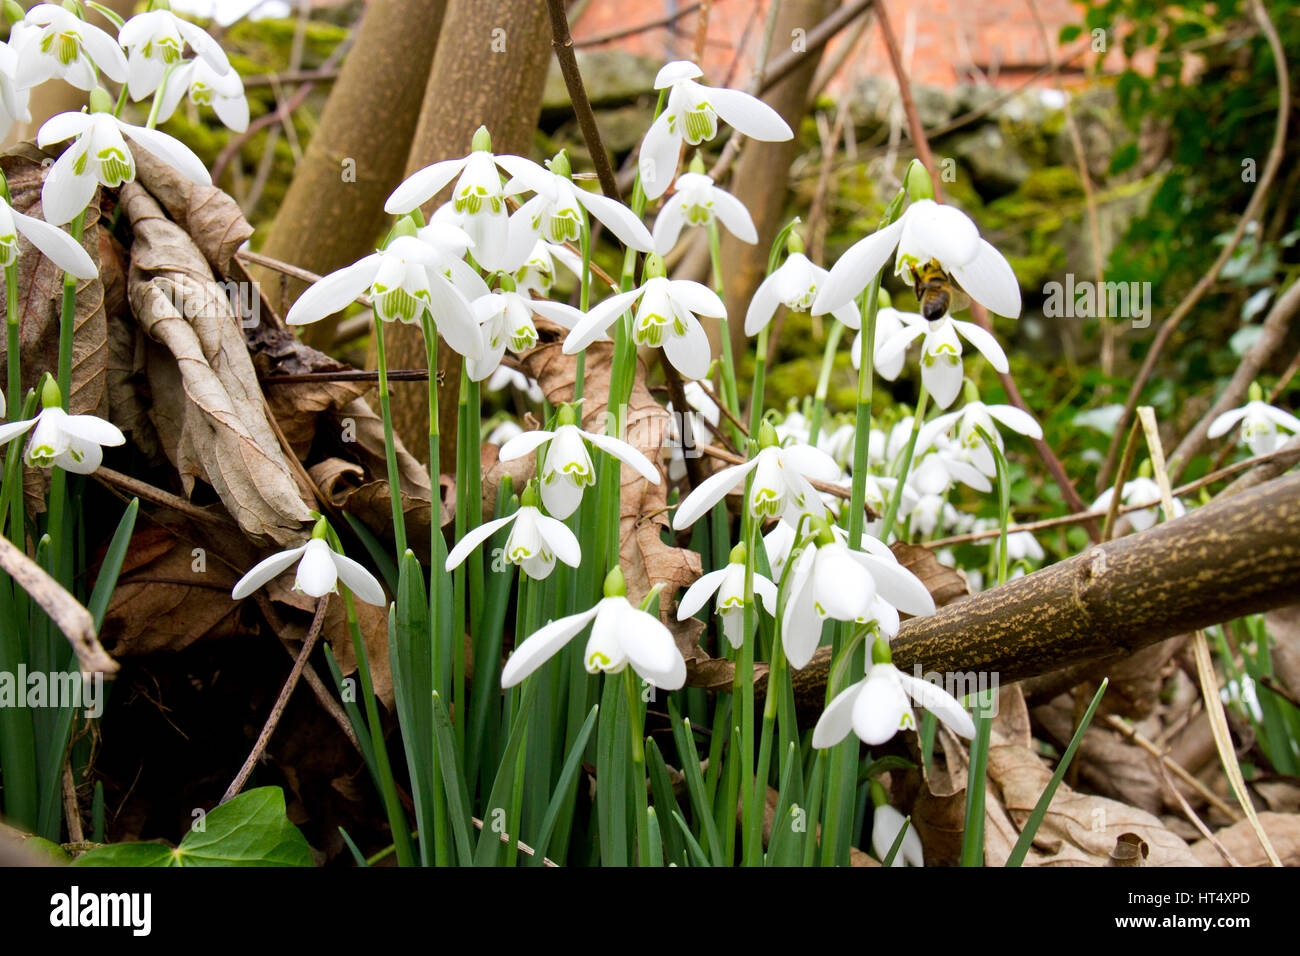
(927, 231)
(1022, 546)
(505, 320)
(941, 350)
(698, 202)
(479, 196)
(403, 284)
(829, 579)
(620, 635)
(794, 284)
(886, 824)
(224, 92)
(156, 40)
(877, 707)
(320, 567)
(943, 466)
(974, 415)
(1262, 426)
(1243, 695)
(537, 274)
(446, 236)
(100, 156)
(13, 97)
(71, 442)
(780, 485)
(59, 247)
(691, 115)
(1140, 490)
(535, 540)
(567, 468)
(666, 316)
(506, 377)
(53, 42)
(555, 212)
(728, 584)
(889, 322)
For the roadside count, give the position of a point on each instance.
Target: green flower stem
(390, 449)
(67, 318)
(152, 121)
(396, 818)
(777, 678)
(891, 511)
(824, 382)
(752, 805)
(635, 725)
(14, 397)
(730, 393)
(760, 380)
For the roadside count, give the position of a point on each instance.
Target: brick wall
(945, 42)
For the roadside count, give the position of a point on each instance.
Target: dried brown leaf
(1283, 831)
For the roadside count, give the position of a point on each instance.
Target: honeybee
(937, 291)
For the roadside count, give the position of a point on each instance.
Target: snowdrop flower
(59, 440)
(941, 468)
(691, 115)
(505, 319)
(793, 429)
(224, 92)
(555, 213)
(100, 156)
(729, 585)
(780, 485)
(54, 42)
(1243, 695)
(506, 377)
(697, 202)
(479, 196)
(879, 491)
(1021, 546)
(620, 635)
(889, 322)
(941, 350)
(886, 824)
(155, 40)
(1138, 491)
(927, 232)
(446, 236)
(59, 247)
(1260, 424)
(975, 414)
(13, 97)
(320, 567)
(829, 579)
(794, 284)
(877, 707)
(665, 316)
(567, 468)
(537, 274)
(839, 444)
(508, 429)
(534, 543)
(403, 284)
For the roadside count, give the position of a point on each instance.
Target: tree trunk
(333, 212)
(1237, 555)
(759, 178)
(489, 70)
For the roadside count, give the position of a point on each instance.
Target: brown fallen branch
(1235, 556)
(64, 610)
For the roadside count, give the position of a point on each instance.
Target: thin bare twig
(562, 41)
(618, 34)
(277, 711)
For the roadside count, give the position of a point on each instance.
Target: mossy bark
(333, 212)
(489, 70)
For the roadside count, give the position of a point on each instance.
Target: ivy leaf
(250, 830)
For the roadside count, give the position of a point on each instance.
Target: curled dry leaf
(207, 403)
(211, 218)
(1106, 761)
